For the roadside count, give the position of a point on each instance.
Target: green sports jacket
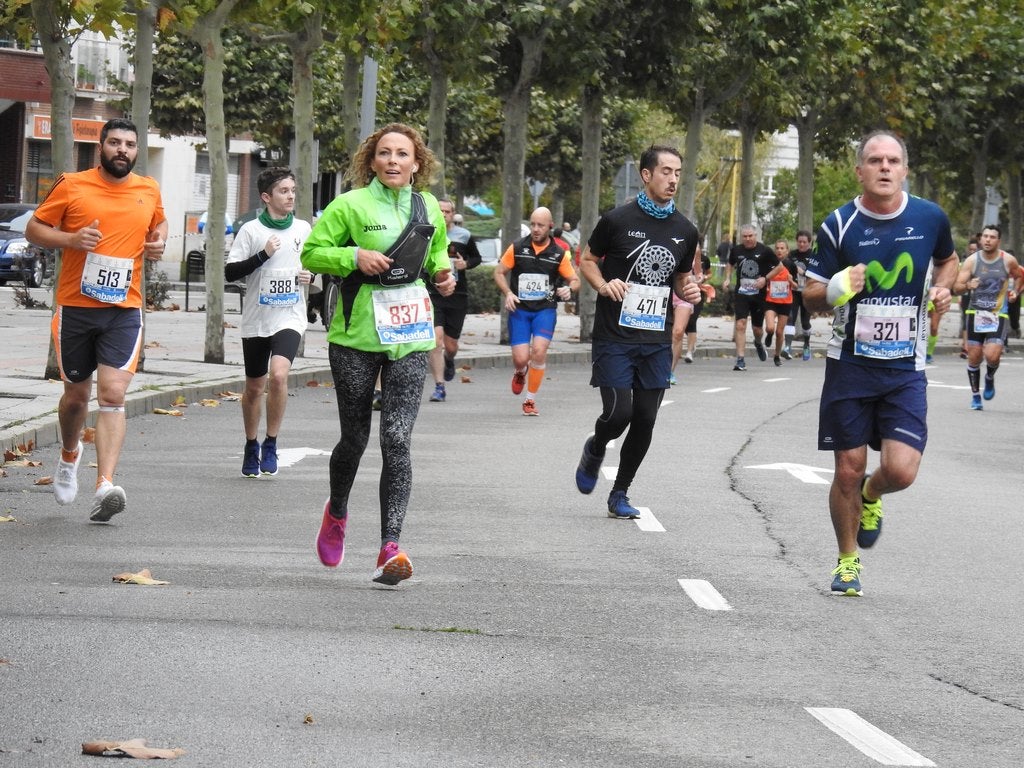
(371, 217)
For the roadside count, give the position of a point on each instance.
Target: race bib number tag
(884, 332)
(645, 307)
(748, 286)
(279, 288)
(779, 289)
(403, 315)
(985, 321)
(106, 278)
(533, 286)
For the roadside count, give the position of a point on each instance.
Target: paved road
(535, 631)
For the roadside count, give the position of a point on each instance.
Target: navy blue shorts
(630, 366)
(862, 405)
(524, 324)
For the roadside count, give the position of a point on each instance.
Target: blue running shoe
(268, 457)
(762, 353)
(870, 519)
(976, 403)
(439, 394)
(589, 466)
(620, 508)
(990, 388)
(806, 354)
(740, 365)
(672, 380)
(251, 459)
(846, 577)
(449, 368)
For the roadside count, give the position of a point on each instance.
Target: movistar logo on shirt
(876, 276)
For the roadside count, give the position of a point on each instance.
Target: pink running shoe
(330, 542)
(393, 565)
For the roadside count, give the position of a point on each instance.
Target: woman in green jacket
(380, 238)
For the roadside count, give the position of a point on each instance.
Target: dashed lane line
(704, 595)
(872, 741)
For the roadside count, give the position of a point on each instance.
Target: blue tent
(480, 209)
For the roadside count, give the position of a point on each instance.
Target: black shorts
(450, 313)
(743, 304)
(257, 351)
(86, 337)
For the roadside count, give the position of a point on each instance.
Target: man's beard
(118, 171)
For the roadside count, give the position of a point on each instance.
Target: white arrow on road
(288, 457)
(801, 472)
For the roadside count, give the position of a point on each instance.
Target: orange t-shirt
(126, 213)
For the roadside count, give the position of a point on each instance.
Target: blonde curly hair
(360, 171)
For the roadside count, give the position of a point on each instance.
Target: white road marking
(872, 741)
(704, 595)
(940, 385)
(289, 457)
(780, 378)
(648, 522)
(801, 472)
(609, 472)
(714, 390)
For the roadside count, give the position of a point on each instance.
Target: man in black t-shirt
(751, 260)
(637, 256)
(450, 311)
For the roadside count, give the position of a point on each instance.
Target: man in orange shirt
(529, 276)
(105, 221)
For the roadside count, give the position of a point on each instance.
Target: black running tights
(355, 374)
(633, 408)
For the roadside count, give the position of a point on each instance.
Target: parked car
(19, 259)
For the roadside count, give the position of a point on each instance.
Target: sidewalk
(174, 366)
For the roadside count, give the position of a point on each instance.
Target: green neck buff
(284, 223)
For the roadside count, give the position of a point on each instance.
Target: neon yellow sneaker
(870, 519)
(846, 579)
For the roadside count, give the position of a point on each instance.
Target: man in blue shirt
(879, 260)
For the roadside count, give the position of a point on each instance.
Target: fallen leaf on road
(153, 345)
(131, 748)
(180, 402)
(143, 578)
(466, 380)
(10, 455)
(8, 519)
(229, 395)
(229, 325)
(165, 412)
(24, 463)
(208, 403)
(308, 720)
(89, 435)
(44, 481)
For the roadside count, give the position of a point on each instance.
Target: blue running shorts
(863, 405)
(524, 324)
(630, 366)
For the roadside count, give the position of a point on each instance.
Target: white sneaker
(688, 358)
(65, 481)
(109, 500)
